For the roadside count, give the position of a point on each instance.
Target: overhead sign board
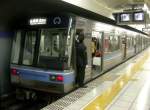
(125, 17)
(134, 17)
(138, 16)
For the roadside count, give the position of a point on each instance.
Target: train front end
(41, 54)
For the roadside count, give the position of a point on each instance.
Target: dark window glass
(16, 48)
(30, 39)
(53, 43)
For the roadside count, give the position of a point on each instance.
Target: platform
(124, 88)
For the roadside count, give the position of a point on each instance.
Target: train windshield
(43, 48)
(53, 48)
(48, 45)
(53, 42)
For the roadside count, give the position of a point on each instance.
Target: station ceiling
(12, 9)
(121, 4)
(15, 9)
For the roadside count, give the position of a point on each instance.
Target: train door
(96, 53)
(124, 46)
(134, 44)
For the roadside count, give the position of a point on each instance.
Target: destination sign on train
(38, 21)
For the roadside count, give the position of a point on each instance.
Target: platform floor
(136, 94)
(127, 87)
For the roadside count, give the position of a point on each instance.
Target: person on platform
(81, 56)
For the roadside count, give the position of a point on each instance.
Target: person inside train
(93, 49)
(81, 57)
(93, 46)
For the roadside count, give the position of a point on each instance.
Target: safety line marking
(103, 100)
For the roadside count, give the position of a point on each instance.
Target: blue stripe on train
(44, 76)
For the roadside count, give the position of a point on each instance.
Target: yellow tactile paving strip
(103, 100)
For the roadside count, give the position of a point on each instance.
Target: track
(11, 102)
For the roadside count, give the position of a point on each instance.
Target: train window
(96, 45)
(29, 47)
(96, 49)
(129, 42)
(116, 42)
(111, 43)
(52, 48)
(133, 41)
(52, 43)
(16, 48)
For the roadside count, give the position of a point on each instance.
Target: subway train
(44, 53)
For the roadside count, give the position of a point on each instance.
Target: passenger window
(29, 47)
(96, 49)
(111, 43)
(96, 44)
(129, 42)
(55, 44)
(16, 48)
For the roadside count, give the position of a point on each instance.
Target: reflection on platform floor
(136, 95)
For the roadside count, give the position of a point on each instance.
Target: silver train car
(43, 51)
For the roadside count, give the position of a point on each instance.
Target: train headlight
(52, 77)
(59, 78)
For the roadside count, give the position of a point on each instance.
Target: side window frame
(14, 47)
(23, 50)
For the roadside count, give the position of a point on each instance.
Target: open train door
(87, 41)
(97, 52)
